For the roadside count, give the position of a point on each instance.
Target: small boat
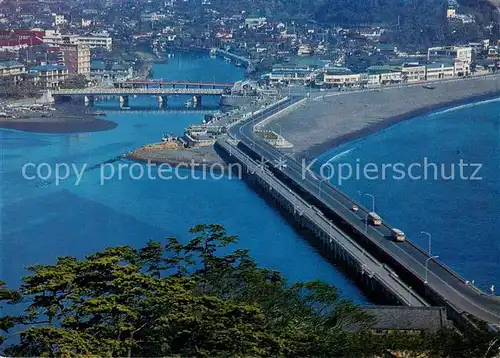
(96, 113)
(428, 87)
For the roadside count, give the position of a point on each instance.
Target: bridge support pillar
(124, 101)
(197, 100)
(89, 100)
(162, 101)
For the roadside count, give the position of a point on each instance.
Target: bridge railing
(342, 240)
(131, 91)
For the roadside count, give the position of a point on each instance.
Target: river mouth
(66, 118)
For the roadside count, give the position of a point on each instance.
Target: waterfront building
(440, 70)
(152, 17)
(461, 53)
(76, 58)
(12, 71)
(95, 40)
(413, 72)
(290, 73)
(104, 73)
(340, 76)
(49, 76)
(386, 74)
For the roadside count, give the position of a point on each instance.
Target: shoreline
(66, 118)
(322, 148)
(332, 119)
(159, 153)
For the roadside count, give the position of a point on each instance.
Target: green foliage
(78, 81)
(24, 89)
(194, 299)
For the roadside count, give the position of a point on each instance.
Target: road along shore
(333, 118)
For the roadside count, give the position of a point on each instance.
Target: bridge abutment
(89, 100)
(124, 101)
(162, 101)
(197, 101)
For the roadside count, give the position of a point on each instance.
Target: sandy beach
(334, 118)
(172, 154)
(65, 119)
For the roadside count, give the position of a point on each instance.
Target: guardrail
(136, 91)
(326, 225)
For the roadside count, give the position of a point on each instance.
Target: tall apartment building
(98, 40)
(11, 71)
(49, 76)
(76, 58)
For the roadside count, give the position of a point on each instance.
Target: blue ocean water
(40, 222)
(462, 215)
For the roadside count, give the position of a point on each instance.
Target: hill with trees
(197, 299)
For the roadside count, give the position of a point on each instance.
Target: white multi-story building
(11, 71)
(414, 73)
(440, 71)
(462, 53)
(96, 40)
(58, 19)
(99, 40)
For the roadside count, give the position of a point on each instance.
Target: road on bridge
(441, 279)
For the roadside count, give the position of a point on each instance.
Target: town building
(12, 71)
(255, 22)
(290, 73)
(440, 71)
(414, 72)
(58, 20)
(460, 53)
(340, 76)
(385, 74)
(97, 40)
(49, 76)
(107, 73)
(76, 58)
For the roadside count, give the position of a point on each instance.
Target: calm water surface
(41, 222)
(463, 216)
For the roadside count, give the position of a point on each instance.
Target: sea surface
(460, 211)
(41, 220)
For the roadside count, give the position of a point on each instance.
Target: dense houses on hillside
(72, 34)
(440, 63)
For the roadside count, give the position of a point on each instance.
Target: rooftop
(49, 68)
(383, 69)
(10, 64)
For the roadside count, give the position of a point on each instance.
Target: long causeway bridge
(395, 271)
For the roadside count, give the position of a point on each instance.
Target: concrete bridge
(171, 84)
(123, 93)
(429, 279)
(379, 280)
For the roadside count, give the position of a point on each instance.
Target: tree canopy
(194, 299)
